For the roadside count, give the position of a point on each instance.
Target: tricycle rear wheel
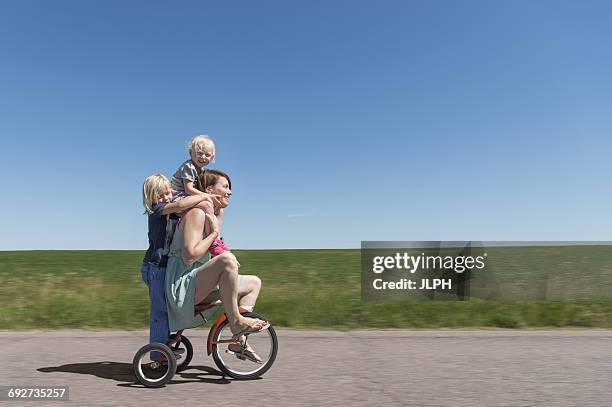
(154, 373)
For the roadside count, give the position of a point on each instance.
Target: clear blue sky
(338, 121)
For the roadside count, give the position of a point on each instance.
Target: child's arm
(186, 203)
(190, 189)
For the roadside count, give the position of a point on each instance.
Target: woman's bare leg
(207, 277)
(223, 271)
(248, 291)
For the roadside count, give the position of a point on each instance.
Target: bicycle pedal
(238, 355)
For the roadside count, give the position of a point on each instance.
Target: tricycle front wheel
(236, 363)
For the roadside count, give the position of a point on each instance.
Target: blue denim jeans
(155, 278)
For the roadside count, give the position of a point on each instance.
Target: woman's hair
(209, 178)
(201, 141)
(151, 189)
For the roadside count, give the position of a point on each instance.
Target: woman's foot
(247, 325)
(247, 352)
(217, 247)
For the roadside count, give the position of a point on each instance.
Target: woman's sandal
(252, 329)
(248, 353)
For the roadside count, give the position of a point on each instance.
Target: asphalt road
(313, 368)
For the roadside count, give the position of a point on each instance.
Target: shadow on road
(123, 372)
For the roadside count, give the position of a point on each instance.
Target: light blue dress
(180, 287)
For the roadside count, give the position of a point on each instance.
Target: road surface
(320, 368)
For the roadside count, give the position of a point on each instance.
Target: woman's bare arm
(193, 245)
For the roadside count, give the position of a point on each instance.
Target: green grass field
(302, 289)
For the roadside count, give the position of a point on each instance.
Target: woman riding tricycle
(243, 345)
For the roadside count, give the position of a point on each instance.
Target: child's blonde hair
(200, 141)
(151, 189)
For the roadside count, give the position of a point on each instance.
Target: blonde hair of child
(201, 141)
(152, 189)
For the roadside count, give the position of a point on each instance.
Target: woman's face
(222, 189)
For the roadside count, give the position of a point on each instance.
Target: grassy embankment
(302, 288)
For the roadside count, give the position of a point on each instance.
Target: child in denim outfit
(162, 217)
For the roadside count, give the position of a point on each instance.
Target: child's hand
(209, 199)
(214, 199)
(206, 206)
(214, 223)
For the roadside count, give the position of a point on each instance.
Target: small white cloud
(301, 215)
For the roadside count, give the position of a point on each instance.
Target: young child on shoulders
(201, 151)
(162, 220)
